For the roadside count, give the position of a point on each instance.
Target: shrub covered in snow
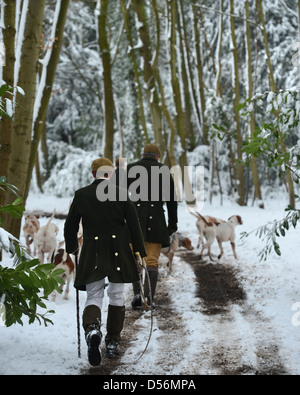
(71, 169)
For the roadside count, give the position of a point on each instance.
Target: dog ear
(239, 218)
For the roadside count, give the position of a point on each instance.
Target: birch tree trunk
(107, 80)
(236, 101)
(22, 127)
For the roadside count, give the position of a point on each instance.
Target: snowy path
(195, 337)
(231, 317)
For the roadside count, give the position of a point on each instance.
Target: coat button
(149, 228)
(138, 205)
(96, 238)
(113, 236)
(150, 217)
(152, 205)
(116, 254)
(119, 269)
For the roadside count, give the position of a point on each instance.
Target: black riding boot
(115, 322)
(91, 321)
(153, 276)
(137, 299)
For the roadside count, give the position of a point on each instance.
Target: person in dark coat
(111, 236)
(150, 185)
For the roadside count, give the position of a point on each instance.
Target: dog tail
(48, 223)
(199, 216)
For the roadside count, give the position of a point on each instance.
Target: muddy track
(218, 285)
(219, 289)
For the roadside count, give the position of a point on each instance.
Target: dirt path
(202, 325)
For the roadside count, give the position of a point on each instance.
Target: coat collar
(99, 180)
(151, 159)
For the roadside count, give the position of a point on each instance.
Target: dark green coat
(151, 211)
(108, 228)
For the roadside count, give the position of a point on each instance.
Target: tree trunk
(180, 121)
(255, 175)
(236, 101)
(219, 51)
(107, 80)
(273, 87)
(205, 138)
(22, 127)
(149, 79)
(9, 33)
(188, 125)
(135, 68)
(47, 80)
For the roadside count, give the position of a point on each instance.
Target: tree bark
(9, 33)
(259, 6)
(254, 170)
(135, 68)
(205, 139)
(180, 121)
(107, 80)
(236, 101)
(22, 127)
(49, 71)
(149, 79)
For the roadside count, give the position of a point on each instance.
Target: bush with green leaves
(25, 286)
(279, 126)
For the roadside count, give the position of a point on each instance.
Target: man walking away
(109, 226)
(151, 185)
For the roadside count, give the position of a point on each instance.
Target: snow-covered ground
(257, 335)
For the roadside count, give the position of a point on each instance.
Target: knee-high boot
(137, 299)
(91, 322)
(153, 276)
(115, 323)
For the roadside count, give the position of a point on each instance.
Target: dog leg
(28, 244)
(200, 241)
(209, 254)
(66, 294)
(221, 248)
(233, 249)
(171, 256)
(40, 256)
(53, 296)
(204, 246)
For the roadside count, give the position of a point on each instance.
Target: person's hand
(138, 261)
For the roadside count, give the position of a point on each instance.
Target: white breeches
(95, 294)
